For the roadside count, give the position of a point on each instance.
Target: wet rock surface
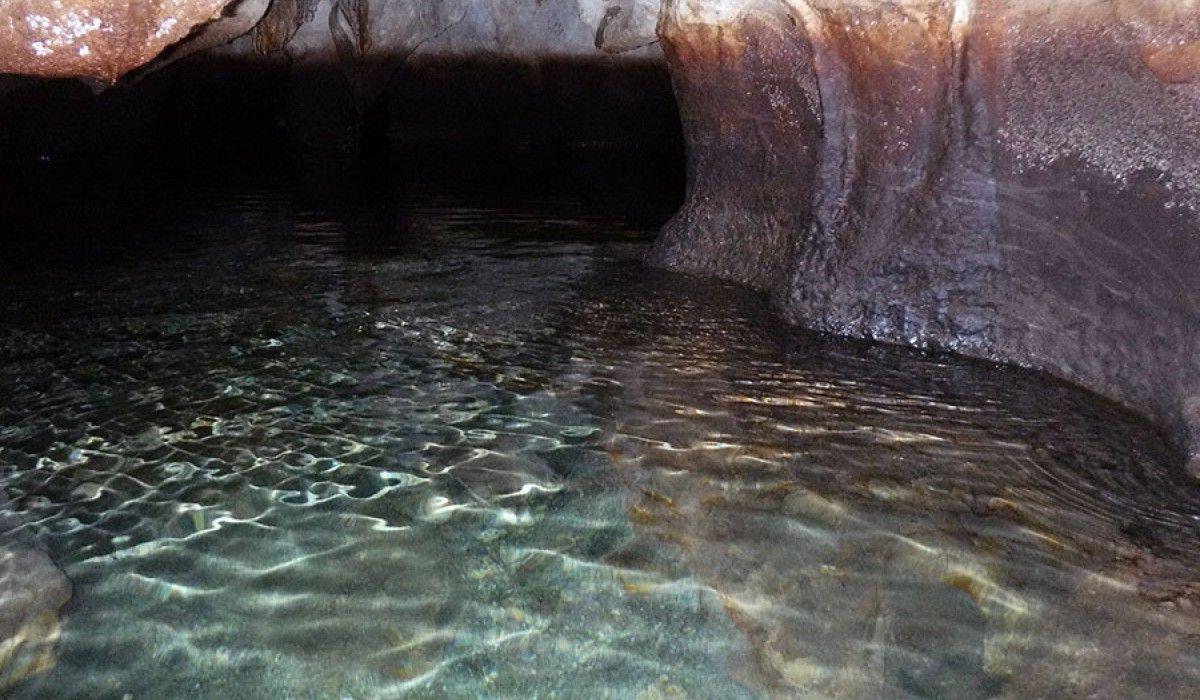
(1012, 180)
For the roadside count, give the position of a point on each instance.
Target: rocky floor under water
(423, 440)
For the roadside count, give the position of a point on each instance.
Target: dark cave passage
(82, 170)
(233, 107)
(467, 118)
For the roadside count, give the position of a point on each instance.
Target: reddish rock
(1011, 180)
(100, 39)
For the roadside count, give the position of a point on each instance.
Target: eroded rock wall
(1011, 180)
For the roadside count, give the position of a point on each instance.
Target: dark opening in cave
(81, 167)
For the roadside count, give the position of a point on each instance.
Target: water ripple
(500, 459)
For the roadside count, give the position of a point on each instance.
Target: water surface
(436, 442)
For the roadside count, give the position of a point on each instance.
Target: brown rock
(100, 39)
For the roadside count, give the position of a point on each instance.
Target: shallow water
(431, 441)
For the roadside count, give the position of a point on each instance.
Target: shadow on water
(321, 433)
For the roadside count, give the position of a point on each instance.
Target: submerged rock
(32, 591)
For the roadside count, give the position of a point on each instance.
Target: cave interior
(621, 348)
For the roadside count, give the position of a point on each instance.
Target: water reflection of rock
(32, 592)
(883, 524)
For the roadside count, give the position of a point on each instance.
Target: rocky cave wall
(103, 40)
(1012, 179)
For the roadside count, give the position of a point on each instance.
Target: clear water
(441, 443)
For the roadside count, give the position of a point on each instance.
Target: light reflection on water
(476, 450)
